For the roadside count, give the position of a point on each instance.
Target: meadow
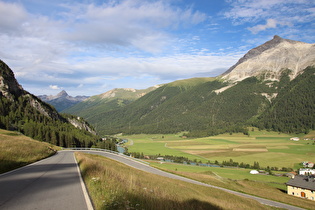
(18, 150)
(268, 148)
(113, 185)
(270, 187)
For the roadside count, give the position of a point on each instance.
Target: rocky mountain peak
(272, 57)
(9, 87)
(62, 100)
(63, 93)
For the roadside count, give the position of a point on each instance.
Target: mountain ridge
(275, 55)
(112, 99)
(62, 100)
(242, 96)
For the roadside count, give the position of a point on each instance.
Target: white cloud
(12, 17)
(251, 11)
(270, 23)
(139, 25)
(176, 66)
(135, 23)
(43, 47)
(54, 87)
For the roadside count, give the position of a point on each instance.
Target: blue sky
(88, 47)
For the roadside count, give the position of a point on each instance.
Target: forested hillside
(113, 99)
(24, 112)
(269, 87)
(293, 110)
(211, 106)
(187, 106)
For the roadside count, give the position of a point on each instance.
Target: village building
(302, 186)
(308, 164)
(291, 174)
(295, 139)
(306, 171)
(160, 158)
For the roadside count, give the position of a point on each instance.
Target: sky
(88, 47)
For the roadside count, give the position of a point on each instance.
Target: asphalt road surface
(53, 183)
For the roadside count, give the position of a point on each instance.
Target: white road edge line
(85, 192)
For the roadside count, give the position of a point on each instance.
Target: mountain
(271, 58)
(271, 87)
(62, 100)
(113, 99)
(24, 112)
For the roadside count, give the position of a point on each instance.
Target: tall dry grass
(113, 185)
(17, 150)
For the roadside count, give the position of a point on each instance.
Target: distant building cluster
(303, 184)
(298, 139)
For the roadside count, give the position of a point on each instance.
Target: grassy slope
(113, 185)
(269, 187)
(17, 150)
(110, 100)
(281, 152)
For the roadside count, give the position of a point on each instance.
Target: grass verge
(113, 185)
(17, 150)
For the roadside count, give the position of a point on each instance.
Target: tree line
(18, 114)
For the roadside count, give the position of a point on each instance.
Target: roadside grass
(270, 187)
(17, 150)
(113, 185)
(268, 148)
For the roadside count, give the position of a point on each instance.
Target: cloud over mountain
(88, 46)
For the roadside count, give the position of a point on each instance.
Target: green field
(268, 148)
(223, 174)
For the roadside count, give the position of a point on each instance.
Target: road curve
(52, 183)
(147, 168)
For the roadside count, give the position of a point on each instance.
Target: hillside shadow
(132, 201)
(7, 165)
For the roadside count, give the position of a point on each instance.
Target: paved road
(150, 169)
(53, 183)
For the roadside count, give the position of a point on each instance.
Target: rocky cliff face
(9, 87)
(271, 58)
(81, 124)
(13, 91)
